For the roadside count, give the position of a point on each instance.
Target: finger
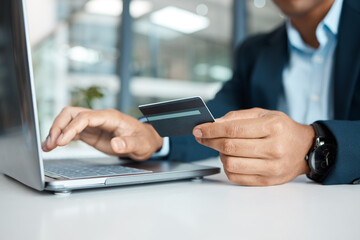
(247, 148)
(93, 136)
(133, 146)
(239, 128)
(250, 166)
(44, 146)
(251, 180)
(77, 125)
(61, 121)
(243, 114)
(87, 119)
(98, 139)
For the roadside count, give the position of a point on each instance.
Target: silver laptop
(20, 152)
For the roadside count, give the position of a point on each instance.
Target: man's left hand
(258, 147)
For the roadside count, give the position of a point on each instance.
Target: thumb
(118, 145)
(135, 147)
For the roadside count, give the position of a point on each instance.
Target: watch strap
(323, 132)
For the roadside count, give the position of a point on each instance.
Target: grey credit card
(177, 117)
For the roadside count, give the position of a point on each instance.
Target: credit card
(177, 117)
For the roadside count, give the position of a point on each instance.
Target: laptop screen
(19, 150)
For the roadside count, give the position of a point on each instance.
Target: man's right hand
(109, 131)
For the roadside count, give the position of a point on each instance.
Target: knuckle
(206, 131)
(112, 111)
(278, 122)
(84, 114)
(66, 110)
(231, 130)
(277, 125)
(257, 109)
(52, 129)
(210, 130)
(147, 147)
(281, 115)
(278, 151)
(70, 131)
(264, 182)
(228, 146)
(274, 124)
(230, 114)
(228, 164)
(275, 170)
(231, 177)
(260, 112)
(231, 165)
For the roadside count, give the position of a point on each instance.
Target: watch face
(323, 158)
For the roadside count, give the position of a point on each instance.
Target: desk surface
(211, 209)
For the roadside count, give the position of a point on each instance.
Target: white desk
(211, 209)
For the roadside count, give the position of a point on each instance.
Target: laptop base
(159, 171)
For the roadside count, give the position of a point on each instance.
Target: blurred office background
(172, 49)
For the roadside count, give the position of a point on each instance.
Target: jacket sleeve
(347, 163)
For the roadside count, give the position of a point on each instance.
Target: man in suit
(307, 69)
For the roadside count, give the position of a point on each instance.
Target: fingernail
(197, 133)
(43, 146)
(120, 145)
(48, 140)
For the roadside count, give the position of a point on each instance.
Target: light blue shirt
(307, 79)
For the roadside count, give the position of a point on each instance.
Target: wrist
(156, 139)
(310, 137)
(322, 155)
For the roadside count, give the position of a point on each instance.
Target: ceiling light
(84, 55)
(138, 8)
(104, 7)
(259, 3)
(179, 20)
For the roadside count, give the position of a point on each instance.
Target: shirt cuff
(165, 149)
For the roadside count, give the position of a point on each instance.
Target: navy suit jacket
(257, 82)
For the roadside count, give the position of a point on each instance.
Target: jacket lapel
(275, 56)
(347, 60)
(269, 67)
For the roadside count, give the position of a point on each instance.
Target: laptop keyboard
(75, 169)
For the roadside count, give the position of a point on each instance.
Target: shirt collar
(331, 22)
(332, 19)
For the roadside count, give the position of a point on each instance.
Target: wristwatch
(321, 156)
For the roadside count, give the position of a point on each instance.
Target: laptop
(20, 151)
